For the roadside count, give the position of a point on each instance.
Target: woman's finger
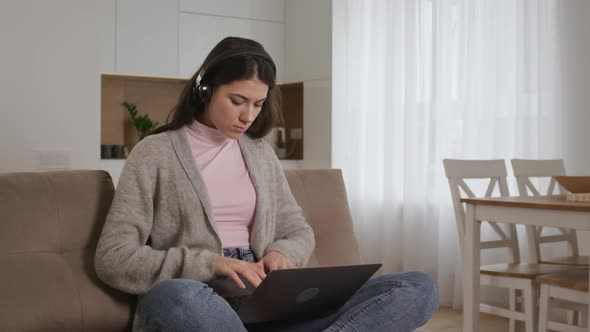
(234, 276)
(273, 265)
(259, 269)
(251, 276)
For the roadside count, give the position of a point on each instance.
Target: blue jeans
(393, 302)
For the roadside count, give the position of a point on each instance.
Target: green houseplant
(143, 124)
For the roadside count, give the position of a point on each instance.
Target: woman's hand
(234, 268)
(273, 260)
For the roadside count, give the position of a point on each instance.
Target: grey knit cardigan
(160, 222)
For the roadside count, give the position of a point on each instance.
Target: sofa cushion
(48, 232)
(49, 226)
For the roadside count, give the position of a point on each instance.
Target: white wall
(576, 95)
(108, 34)
(49, 82)
(308, 58)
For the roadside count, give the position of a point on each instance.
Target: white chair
(513, 275)
(561, 285)
(570, 286)
(524, 170)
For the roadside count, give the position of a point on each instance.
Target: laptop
(295, 294)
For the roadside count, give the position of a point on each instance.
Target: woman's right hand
(234, 268)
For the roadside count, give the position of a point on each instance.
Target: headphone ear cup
(204, 93)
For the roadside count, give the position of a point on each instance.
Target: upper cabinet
(172, 38)
(308, 40)
(198, 34)
(146, 39)
(268, 10)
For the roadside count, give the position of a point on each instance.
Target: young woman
(206, 197)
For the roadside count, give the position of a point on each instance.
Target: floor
(449, 320)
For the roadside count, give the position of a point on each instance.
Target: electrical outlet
(62, 158)
(53, 159)
(296, 133)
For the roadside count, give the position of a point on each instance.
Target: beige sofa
(50, 225)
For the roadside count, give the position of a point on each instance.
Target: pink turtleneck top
(231, 192)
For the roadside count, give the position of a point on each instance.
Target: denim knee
(426, 291)
(180, 291)
(185, 305)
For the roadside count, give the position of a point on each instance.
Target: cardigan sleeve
(123, 258)
(293, 236)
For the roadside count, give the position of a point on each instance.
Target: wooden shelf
(145, 78)
(157, 96)
(292, 98)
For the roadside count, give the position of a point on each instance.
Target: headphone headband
(231, 53)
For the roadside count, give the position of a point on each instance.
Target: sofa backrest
(49, 226)
(322, 196)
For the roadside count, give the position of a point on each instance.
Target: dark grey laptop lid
(306, 293)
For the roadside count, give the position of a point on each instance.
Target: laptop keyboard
(236, 301)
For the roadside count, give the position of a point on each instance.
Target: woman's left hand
(274, 260)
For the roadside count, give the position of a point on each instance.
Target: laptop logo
(307, 295)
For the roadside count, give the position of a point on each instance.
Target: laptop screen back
(306, 293)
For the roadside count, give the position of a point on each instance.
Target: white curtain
(417, 81)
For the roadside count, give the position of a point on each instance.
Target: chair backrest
(524, 170)
(457, 172)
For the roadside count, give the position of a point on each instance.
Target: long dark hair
(239, 67)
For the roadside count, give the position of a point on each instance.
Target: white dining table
(551, 211)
